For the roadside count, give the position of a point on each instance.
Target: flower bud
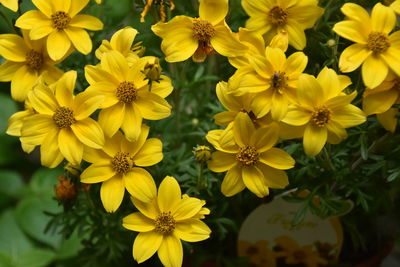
(65, 190)
(202, 153)
(152, 70)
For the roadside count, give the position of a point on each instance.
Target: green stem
(200, 184)
(328, 159)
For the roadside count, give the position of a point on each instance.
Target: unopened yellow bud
(331, 43)
(202, 153)
(153, 69)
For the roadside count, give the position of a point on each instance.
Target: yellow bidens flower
(273, 81)
(117, 166)
(375, 49)
(184, 37)
(160, 4)
(61, 25)
(127, 96)
(165, 221)
(121, 41)
(324, 110)
(287, 19)
(26, 61)
(381, 99)
(10, 4)
(62, 125)
(249, 157)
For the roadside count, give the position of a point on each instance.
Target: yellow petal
(150, 153)
(351, 30)
(152, 106)
(224, 118)
(374, 71)
(226, 99)
(392, 59)
(70, 146)
(58, 45)
(86, 103)
(178, 42)
(30, 19)
(233, 182)
(192, 230)
(221, 161)
(95, 74)
(97, 172)
(134, 147)
(352, 57)
(169, 194)
(50, 155)
(65, 87)
(243, 129)
(22, 82)
(123, 39)
(41, 31)
(314, 139)
(380, 102)
(330, 83)
(140, 184)
(297, 37)
(87, 22)
(274, 178)
(251, 6)
(95, 155)
(112, 193)
(115, 63)
(89, 132)
(38, 126)
(214, 11)
(383, 18)
(279, 106)
(336, 132)
(15, 122)
(264, 138)
(306, 15)
(8, 70)
(145, 245)
(388, 119)
(262, 103)
(396, 6)
(80, 39)
(296, 63)
(11, 4)
(150, 210)
(310, 93)
(162, 88)
(43, 100)
(277, 158)
(132, 122)
(171, 252)
(77, 6)
(297, 116)
(138, 222)
(225, 43)
(255, 181)
(187, 208)
(44, 6)
(276, 57)
(356, 12)
(13, 47)
(348, 116)
(111, 119)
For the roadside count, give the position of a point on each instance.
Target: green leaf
(8, 153)
(13, 241)
(44, 180)
(10, 183)
(7, 108)
(70, 247)
(36, 258)
(5, 260)
(32, 219)
(393, 176)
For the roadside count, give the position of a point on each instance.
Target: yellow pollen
(248, 155)
(203, 30)
(63, 117)
(60, 20)
(378, 42)
(165, 223)
(126, 92)
(278, 81)
(278, 16)
(321, 116)
(34, 60)
(122, 162)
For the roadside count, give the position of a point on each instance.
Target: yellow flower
(161, 6)
(295, 254)
(127, 96)
(324, 110)
(121, 41)
(15, 123)
(10, 4)
(62, 125)
(60, 24)
(270, 17)
(273, 80)
(375, 49)
(249, 157)
(396, 6)
(184, 37)
(117, 166)
(165, 221)
(202, 154)
(388, 119)
(25, 61)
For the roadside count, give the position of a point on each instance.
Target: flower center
(278, 16)
(63, 117)
(247, 155)
(278, 81)
(321, 116)
(122, 162)
(165, 223)
(203, 30)
(126, 92)
(60, 20)
(378, 42)
(34, 60)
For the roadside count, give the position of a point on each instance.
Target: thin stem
(328, 159)
(200, 184)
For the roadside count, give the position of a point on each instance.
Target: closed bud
(202, 153)
(331, 43)
(152, 70)
(65, 190)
